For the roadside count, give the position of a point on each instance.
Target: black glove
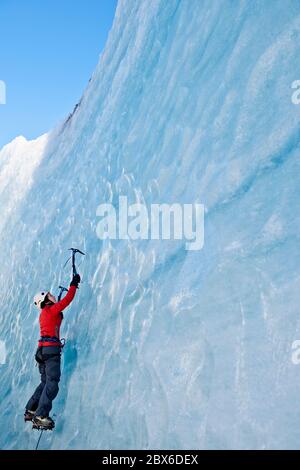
(75, 281)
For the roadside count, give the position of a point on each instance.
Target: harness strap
(52, 339)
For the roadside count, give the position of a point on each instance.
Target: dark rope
(39, 439)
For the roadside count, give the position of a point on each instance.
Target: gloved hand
(75, 281)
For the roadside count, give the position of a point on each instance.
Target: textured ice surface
(190, 102)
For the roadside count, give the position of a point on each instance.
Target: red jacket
(51, 318)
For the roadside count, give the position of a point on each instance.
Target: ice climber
(48, 355)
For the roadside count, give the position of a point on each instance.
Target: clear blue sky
(48, 51)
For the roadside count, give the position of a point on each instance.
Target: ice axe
(62, 290)
(74, 251)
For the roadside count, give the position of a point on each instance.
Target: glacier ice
(190, 102)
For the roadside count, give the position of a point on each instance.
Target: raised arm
(63, 303)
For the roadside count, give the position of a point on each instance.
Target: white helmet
(39, 298)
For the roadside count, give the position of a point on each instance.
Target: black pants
(49, 367)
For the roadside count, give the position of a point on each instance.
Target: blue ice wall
(167, 348)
